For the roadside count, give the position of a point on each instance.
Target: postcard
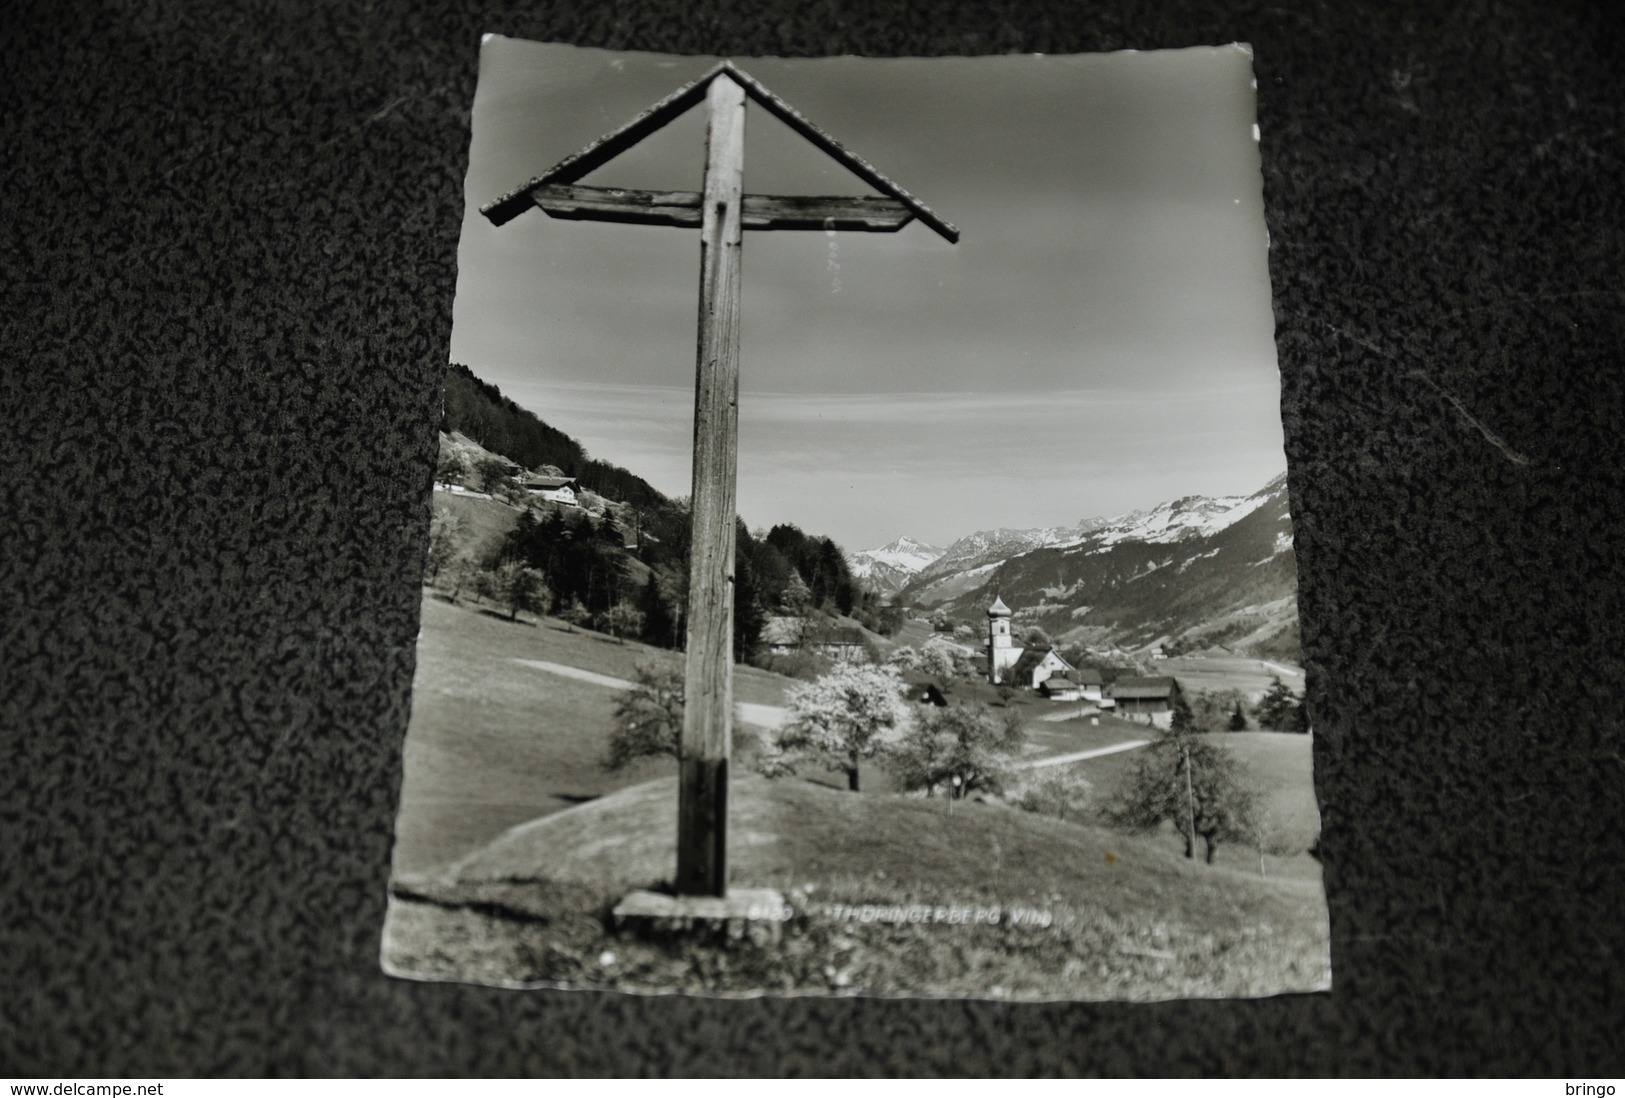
(861, 560)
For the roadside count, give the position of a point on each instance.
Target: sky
(1099, 340)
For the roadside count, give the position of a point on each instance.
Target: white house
(1035, 667)
(553, 489)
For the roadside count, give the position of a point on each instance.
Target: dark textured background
(229, 242)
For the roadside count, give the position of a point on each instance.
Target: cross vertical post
(721, 212)
(702, 798)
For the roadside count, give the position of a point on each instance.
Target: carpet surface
(229, 258)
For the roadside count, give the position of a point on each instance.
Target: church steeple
(1000, 654)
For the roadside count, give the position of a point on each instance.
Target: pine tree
(1278, 709)
(658, 625)
(748, 618)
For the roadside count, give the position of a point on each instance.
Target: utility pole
(1190, 801)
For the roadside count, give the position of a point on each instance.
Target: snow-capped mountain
(1176, 520)
(1210, 570)
(888, 568)
(986, 546)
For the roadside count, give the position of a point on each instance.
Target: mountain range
(886, 570)
(1194, 572)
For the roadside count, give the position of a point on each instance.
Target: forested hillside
(479, 410)
(635, 553)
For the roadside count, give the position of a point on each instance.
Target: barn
(1060, 688)
(1148, 698)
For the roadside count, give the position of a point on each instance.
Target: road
(1079, 756)
(753, 713)
(1282, 669)
(1070, 713)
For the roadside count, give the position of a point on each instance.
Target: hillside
(1196, 572)
(633, 549)
(485, 521)
(494, 742)
(479, 410)
(1120, 915)
(514, 843)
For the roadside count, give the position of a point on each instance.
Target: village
(792, 631)
(1117, 794)
(1040, 669)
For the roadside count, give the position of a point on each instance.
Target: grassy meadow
(493, 743)
(1121, 916)
(514, 845)
(1210, 674)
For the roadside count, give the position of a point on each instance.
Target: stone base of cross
(721, 212)
(755, 914)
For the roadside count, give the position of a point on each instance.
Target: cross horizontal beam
(606, 148)
(863, 213)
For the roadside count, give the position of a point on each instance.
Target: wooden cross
(720, 212)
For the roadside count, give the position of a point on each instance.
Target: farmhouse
(553, 489)
(782, 635)
(1149, 698)
(1091, 687)
(843, 643)
(1060, 688)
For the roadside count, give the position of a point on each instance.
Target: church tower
(1001, 653)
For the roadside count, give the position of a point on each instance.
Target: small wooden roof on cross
(552, 186)
(721, 212)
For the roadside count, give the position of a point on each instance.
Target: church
(1009, 663)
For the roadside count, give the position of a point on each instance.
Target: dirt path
(1282, 669)
(1068, 714)
(752, 713)
(1079, 756)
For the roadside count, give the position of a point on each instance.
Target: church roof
(998, 609)
(1032, 657)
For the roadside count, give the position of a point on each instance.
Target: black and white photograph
(861, 559)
